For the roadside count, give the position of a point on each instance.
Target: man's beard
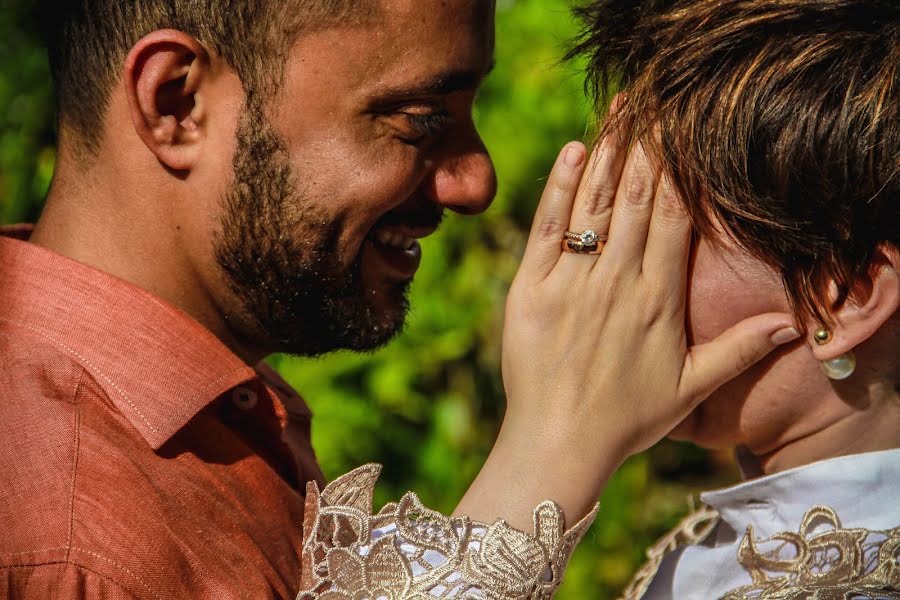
(280, 254)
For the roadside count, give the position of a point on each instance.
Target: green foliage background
(429, 405)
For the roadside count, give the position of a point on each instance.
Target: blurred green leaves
(428, 406)
(26, 116)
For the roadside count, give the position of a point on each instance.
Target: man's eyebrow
(440, 84)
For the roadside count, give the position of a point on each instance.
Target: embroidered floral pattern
(824, 561)
(693, 529)
(409, 552)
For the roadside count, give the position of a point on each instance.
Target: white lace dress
(408, 551)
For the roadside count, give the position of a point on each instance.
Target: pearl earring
(839, 367)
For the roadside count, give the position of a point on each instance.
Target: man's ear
(163, 73)
(871, 304)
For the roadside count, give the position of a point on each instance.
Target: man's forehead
(438, 24)
(428, 46)
(421, 7)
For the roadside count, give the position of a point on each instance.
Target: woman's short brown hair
(778, 121)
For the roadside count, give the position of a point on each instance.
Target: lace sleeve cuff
(409, 552)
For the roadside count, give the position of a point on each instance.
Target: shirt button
(244, 398)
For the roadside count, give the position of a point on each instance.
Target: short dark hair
(88, 41)
(778, 121)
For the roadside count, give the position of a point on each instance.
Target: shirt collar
(858, 487)
(158, 366)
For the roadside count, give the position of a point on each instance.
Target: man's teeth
(389, 238)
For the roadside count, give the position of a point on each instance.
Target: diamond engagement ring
(586, 242)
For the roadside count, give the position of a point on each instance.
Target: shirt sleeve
(410, 552)
(59, 580)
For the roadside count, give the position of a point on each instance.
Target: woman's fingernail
(574, 154)
(785, 335)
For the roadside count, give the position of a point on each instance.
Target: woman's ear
(163, 76)
(871, 304)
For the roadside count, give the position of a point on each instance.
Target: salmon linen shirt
(139, 457)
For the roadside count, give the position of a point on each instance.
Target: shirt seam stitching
(100, 574)
(88, 364)
(76, 448)
(31, 552)
(118, 566)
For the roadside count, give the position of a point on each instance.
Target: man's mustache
(421, 216)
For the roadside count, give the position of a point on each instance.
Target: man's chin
(387, 321)
(364, 324)
(374, 339)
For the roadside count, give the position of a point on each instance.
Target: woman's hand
(596, 363)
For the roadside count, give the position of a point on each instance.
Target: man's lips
(404, 238)
(396, 249)
(393, 242)
(415, 222)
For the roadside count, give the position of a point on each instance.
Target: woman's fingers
(668, 246)
(594, 200)
(632, 211)
(709, 366)
(554, 213)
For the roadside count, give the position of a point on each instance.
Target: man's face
(367, 143)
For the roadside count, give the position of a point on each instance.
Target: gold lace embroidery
(836, 564)
(409, 552)
(693, 529)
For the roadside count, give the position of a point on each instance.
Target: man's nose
(464, 182)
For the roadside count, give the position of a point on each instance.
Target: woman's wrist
(536, 461)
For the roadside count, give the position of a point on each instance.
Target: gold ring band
(576, 247)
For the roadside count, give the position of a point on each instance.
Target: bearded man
(233, 179)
